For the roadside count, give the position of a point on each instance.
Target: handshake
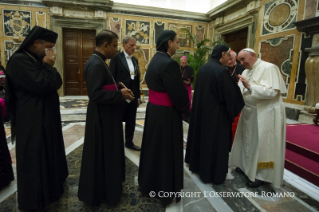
(127, 94)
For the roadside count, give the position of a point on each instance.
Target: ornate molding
(223, 7)
(309, 26)
(105, 5)
(77, 23)
(235, 25)
(279, 16)
(313, 51)
(156, 11)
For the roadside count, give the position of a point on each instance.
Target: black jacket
(121, 73)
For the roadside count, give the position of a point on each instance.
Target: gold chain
(30, 56)
(107, 69)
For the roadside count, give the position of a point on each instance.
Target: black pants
(129, 117)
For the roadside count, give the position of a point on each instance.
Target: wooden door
(78, 46)
(237, 40)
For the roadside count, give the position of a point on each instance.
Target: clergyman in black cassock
(188, 78)
(103, 161)
(124, 68)
(33, 104)
(161, 161)
(217, 101)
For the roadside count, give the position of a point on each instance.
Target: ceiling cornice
(105, 5)
(157, 11)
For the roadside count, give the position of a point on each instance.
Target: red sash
(111, 87)
(3, 105)
(159, 98)
(189, 89)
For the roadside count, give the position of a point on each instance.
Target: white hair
(233, 53)
(127, 38)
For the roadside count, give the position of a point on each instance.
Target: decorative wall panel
(158, 28)
(185, 40)
(116, 27)
(315, 41)
(279, 51)
(142, 55)
(140, 30)
(279, 16)
(41, 19)
(199, 33)
(16, 23)
(9, 48)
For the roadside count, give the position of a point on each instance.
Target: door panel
(78, 46)
(237, 40)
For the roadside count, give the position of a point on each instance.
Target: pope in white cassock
(260, 141)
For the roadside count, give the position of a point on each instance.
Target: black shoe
(255, 184)
(239, 170)
(133, 147)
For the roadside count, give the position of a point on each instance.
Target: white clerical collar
(127, 56)
(256, 63)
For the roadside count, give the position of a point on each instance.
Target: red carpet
(302, 151)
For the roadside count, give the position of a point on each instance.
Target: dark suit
(121, 73)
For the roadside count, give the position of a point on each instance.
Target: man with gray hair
(259, 144)
(124, 68)
(233, 67)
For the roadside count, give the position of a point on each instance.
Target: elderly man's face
(183, 62)
(232, 60)
(246, 59)
(130, 46)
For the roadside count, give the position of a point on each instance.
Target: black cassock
(187, 73)
(103, 162)
(33, 102)
(217, 101)
(161, 161)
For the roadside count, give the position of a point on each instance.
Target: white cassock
(260, 140)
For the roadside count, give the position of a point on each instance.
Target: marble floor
(297, 193)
